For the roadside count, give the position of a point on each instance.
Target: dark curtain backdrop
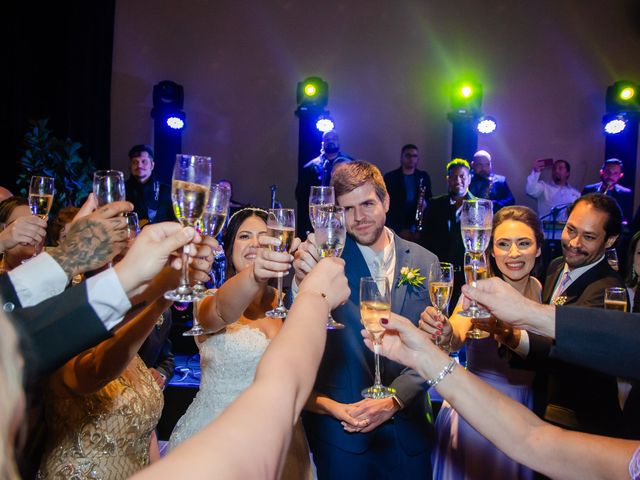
(57, 58)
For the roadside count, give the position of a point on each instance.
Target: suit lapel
(398, 293)
(551, 280)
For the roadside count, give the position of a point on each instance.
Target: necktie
(563, 284)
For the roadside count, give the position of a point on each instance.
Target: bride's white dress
(228, 362)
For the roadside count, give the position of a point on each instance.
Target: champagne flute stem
(474, 281)
(184, 280)
(376, 353)
(280, 303)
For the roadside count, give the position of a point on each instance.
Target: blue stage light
(614, 124)
(486, 125)
(175, 122)
(325, 124)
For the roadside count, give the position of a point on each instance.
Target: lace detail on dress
(228, 362)
(104, 435)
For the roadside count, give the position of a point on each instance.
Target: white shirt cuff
(107, 298)
(38, 279)
(523, 347)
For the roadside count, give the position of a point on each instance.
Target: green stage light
(313, 92)
(466, 96)
(627, 93)
(466, 91)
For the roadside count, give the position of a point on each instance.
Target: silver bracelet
(445, 371)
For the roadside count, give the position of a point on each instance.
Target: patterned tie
(561, 287)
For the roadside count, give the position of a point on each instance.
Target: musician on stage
(611, 172)
(489, 185)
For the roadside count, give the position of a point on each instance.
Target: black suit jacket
(498, 191)
(401, 214)
(622, 195)
(441, 235)
(54, 330)
(577, 397)
(152, 196)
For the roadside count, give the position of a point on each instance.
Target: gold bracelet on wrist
(322, 294)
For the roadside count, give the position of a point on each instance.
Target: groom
(352, 437)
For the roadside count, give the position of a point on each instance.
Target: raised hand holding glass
(41, 190)
(189, 193)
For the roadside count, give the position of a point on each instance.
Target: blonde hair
(11, 388)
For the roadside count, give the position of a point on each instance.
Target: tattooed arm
(94, 240)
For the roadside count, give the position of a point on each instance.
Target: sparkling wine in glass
(375, 304)
(440, 287)
(41, 191)
(281, 224)
(319, 196)
(331, 233)
(108, 186)
(475, 268)
(189, 193)
(615, 298)
(213, 219)
(476, 220)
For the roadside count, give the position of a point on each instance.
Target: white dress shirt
(381, 264)
(550, 195)
(41, 278)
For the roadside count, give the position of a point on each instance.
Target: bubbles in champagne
(476, 239)
(40, 205)
(285, 235)
(189, 201)
(371, 312)
(212, 223)
(440, 294)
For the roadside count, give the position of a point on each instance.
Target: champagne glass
(475, 268)
(440, 287)
(612, 258)
(615, 298)
(133, 225)
(476, 219)
(331, 233)
(189, 192)
(375, 303)
(108, 186)
(213, 219)
(41, 191)
(319, 196)
(281, 224)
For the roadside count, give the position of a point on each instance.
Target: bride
(228, 358)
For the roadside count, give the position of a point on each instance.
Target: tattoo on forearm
(87, 246)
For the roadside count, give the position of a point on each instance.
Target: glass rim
(42, 176)
(322, 187)
(106, 173)
(477, 200)
(616, 290)
(189, 155)
(281, 210)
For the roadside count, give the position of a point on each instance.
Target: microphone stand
(555, 211)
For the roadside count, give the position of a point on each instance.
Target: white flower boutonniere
(411, 276)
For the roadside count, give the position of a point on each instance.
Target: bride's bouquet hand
(269, 263)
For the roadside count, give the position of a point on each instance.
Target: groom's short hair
(348, 176)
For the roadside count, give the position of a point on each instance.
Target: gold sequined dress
(104, 435)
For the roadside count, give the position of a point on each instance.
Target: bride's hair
(229, 235)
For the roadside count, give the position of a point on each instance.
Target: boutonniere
(411, 276)
(561, 300)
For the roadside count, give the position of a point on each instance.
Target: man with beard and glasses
(352, 437)
(441, 233)
(574, 397)
(317, 172)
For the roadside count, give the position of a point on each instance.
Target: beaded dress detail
(104, 435)
(228, 362)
